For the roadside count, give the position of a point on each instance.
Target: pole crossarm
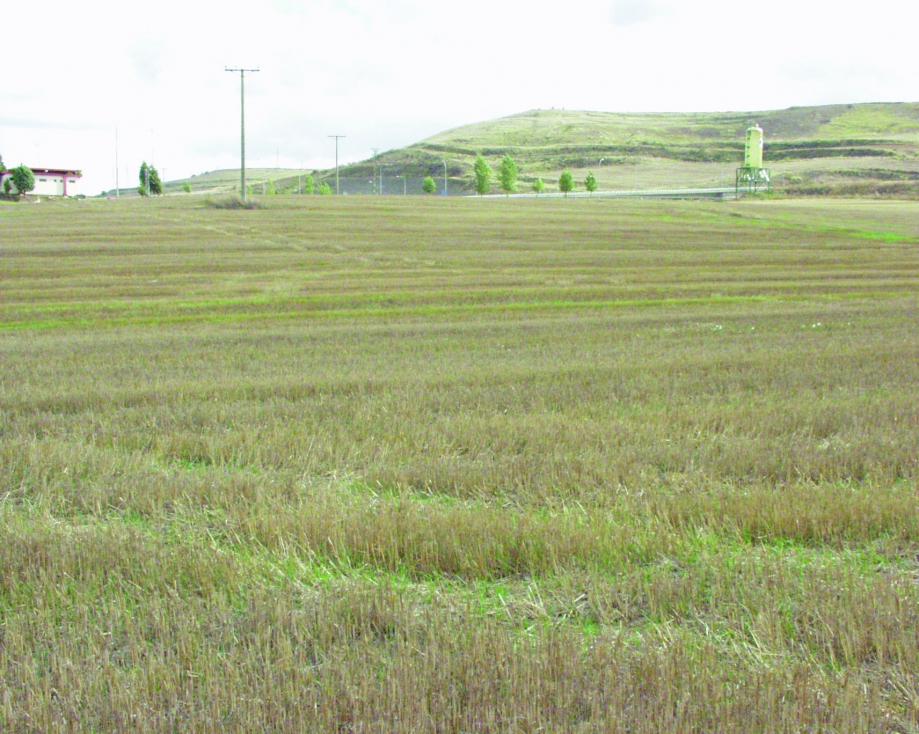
(242, 127)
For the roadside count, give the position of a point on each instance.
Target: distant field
(373, 464)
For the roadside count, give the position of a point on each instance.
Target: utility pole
(337, 138)
(242, 128)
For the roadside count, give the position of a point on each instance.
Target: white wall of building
(49, 183)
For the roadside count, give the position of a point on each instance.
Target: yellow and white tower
(752, 175)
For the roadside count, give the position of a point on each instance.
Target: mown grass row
(454, 513)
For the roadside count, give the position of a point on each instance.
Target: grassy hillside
(386, 465)
(861, 144)
(854, 149)
(834, 149)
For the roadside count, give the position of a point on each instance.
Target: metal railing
(719, 192)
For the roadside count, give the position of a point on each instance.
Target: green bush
(483, 174)
(23, 179)
(590, 183)
(507, 175)
(232, 202)
(566, 182)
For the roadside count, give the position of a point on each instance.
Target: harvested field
(374, 465)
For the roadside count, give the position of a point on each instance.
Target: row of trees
(508, 174)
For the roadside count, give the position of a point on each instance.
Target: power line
(242, 128)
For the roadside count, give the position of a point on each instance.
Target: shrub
(507, 175)
(566, 182)
(590, 183)
(483, 174)
(23, 179)
(232, 202)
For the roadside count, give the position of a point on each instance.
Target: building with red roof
(48, 182)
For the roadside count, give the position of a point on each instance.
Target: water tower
(752, 176)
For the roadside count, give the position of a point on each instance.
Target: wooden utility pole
(242, 129)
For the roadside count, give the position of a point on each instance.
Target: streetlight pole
(337, 138)
(117, 188)
(376, 153)
(242, 128)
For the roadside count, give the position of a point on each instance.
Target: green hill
(851, 149)
(831, 149)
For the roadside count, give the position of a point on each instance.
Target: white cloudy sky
(387, 73)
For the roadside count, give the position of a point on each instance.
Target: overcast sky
(387, 73)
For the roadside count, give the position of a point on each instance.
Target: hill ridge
(848, 149)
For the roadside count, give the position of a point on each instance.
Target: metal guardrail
(722, 192)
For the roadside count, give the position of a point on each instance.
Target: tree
(144, 187)
(483, 174)
(309, 186)
(2, 167)
(539, 186)
(150, 183)
(590, 183)
(429, 187)
(566, 182)
(23, 179)
(507, 175)
(324, 189)
(186, 187)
